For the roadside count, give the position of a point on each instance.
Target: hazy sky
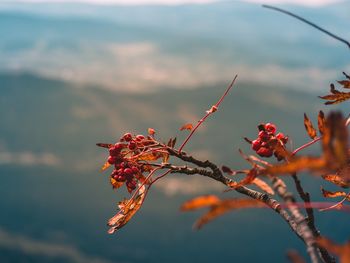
(172, 2)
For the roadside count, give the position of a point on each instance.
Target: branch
(309, 23)
(305, 196)
(217, 175)
(303, 229)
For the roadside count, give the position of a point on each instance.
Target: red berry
(135, 170)
(120, 178)
(114, 151)
(127, 137)
(111, 160)
(132, 145)
(119, 146)
(270, 127)
(264, 136)
(140, 137)
(256, 145)
(264, 152)
(128, 171)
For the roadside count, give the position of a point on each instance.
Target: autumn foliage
(139, 161)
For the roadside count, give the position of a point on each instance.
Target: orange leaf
(336, 179)
(105, 166)
(200, 202)
(335, 140)
(342, 251)
(336, 96)
(309, 127)
(225, 206)
(187, 126)
(321, 122)
(263, 186)
(115, 183)
(150, 156)
(345, 84)
(330, 194)
(294, 257)
(279, 149)
(128, 209)
(297, 164)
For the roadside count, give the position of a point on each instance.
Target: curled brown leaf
(128, 209)
(311, 131)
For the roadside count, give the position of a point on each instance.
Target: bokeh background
(80, 72)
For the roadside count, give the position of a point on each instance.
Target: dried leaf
(128, 209)
(345, 84)
(336, 179)
(279, 149)
(105, 166)
(311, 131)
(321, 122)
(263, 186)
(104, 145)
(251, 176)
(200, 202)
(224, 206)
(115, 183)
(336, 96)
(297, 164)
(294, 257)
(342, 251)
(330, 194)
(150, 156)
(187, 126)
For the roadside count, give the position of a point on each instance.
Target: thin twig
(208, 113)
(309, 23)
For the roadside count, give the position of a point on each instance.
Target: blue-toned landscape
(75, 74)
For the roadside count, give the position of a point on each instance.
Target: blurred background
(80, 72)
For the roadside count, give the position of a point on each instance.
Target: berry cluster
(126, 168)
(267, 132)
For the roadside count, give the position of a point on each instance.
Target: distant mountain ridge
(120, 46)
